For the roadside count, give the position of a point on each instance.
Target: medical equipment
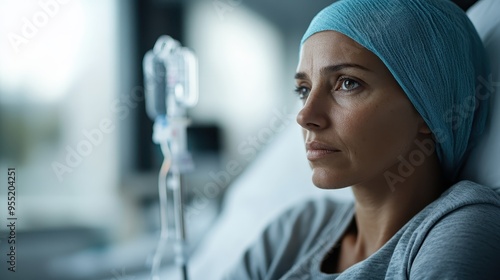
(171, 86)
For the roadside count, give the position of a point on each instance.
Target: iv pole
(171, 74)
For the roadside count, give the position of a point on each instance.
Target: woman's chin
(328, 180)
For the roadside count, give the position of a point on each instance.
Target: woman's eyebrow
(331, 69)
(301, 76)
(335, 68)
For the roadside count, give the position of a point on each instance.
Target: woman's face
(356, 119)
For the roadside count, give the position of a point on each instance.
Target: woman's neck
(382, 209)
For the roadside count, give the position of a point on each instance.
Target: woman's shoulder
(464, 207)
(467, 204)
(291, 236)
(459, 235)
(310, 219)
(474, 190)
(466, 194)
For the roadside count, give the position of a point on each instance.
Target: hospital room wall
(246, 85)
(75, 78)
(59, 97)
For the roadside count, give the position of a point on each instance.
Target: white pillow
(483, 165)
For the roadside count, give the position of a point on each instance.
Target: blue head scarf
(433, 51)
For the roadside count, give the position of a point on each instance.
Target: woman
(392, 103)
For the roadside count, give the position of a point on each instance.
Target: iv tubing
(162, 191)
(179, 224)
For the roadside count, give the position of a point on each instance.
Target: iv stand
(181, 162)
(170, 134)
(174, 85)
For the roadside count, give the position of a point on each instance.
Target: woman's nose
(314, 114)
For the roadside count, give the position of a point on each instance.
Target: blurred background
(73, 121)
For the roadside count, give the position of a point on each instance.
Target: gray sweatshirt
(455, 237)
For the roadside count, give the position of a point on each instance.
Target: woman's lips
(317, 150)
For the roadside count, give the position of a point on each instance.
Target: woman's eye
(347, 84)
(302, 92)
